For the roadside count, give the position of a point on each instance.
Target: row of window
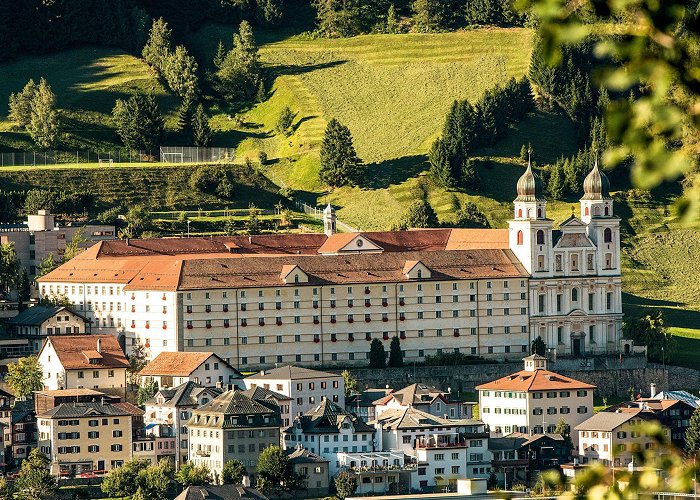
(542, 301)
(112, 290)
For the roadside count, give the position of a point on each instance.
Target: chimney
(653, 390)
(99, 345)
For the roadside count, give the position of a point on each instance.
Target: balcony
(202, 453)
(441, 443)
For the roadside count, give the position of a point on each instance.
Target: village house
(171, 369)
(314, 468)
(329, 429)
(83, 437)
(232, 426)
(283, 402)
(38, 322)
(307, 388)
(362, 403)
(171, 409)
(84, 361)
(614, 437)
(445, 450)
(424, 398)
(533, 400)
(517, 455)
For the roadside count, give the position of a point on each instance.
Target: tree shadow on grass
(300, 69)
(383, 174)
(674, 312)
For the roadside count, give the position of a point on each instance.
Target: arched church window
(539, 212)
(607, 210)
(520, 237)
(520, 213)
(608, 261)
(596, 210)
(540, 237)
(574, 295)
(586, 211)
(607, 235)
(529, 213)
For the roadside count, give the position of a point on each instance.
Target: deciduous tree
(345, 484)
(419, 214)
(193, 475)
(9, 267)
(35, 481)
(692, 434)
(180, 73)
(21, 104)
(157, 48)
(351, 385)
(44, 126)
(121, 481)
(233, 472)
(538, 347)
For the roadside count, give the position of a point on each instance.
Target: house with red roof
(533, 400)
(84, 362)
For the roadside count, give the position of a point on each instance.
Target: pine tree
(538, 346)
(201, 132)
(184, 117)
(557, 182)
(153, 125)
(395, 353)
(523, 153)
(392, 22)
(340, 165)
(239, 75)
(157, 49)
(220, 55)
(44, 126)
(439, 160)
(692, 434)
(252, 225)
(432, 15)
(377, 354)
(261, 94)
(469, 177)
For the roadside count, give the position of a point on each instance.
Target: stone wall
(610, 376)
(680, 378)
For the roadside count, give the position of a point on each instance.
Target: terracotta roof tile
(73, 351)
(538, 380)
(471, 239)
(178, 364)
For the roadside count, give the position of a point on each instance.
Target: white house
(171, 369)
(533, 400)
(173, 407)
(328, 430)
(445, 450)
(307, 388)
(38, 322)
(84, 361)
(425, 398)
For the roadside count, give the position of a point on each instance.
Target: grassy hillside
(87, 82)
(162, 187)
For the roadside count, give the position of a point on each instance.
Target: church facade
(319, 299)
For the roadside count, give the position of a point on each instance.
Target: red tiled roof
(538, 380)
(73, 351)
(249, 261)
(176, 363)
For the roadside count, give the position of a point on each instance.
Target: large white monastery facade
(318, 299)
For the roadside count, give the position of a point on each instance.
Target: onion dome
(529, 186)
(596, 185)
